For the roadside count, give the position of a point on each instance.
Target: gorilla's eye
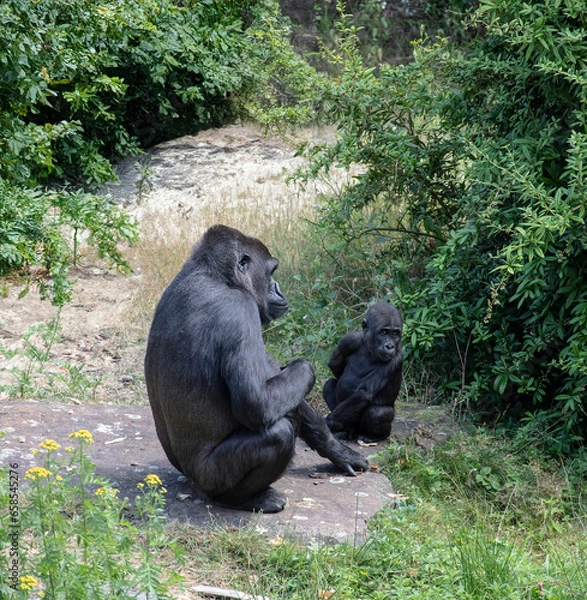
(243, 263)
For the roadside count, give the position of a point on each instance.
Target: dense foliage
(474, 183)
(85, 81)
(386, 30)
(33, 238)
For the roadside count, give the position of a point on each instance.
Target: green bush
(83, 82)
(473, 182)
(34, 230)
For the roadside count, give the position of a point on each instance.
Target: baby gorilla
(367, 369)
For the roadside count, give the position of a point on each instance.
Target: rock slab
(323, 506)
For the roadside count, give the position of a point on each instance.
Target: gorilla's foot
(267, 501)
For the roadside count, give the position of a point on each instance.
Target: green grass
(457, 535)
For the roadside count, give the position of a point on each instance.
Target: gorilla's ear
(365, 325)
(244, 262)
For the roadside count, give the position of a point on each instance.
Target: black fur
(367, 369)
(226, 413)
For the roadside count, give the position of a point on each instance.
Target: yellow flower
(27, 582)
(109, 492)
(34, 452)
(153, 480)
(35, 473)
(50, 445)
(58, 478)
(69, 448)
(82, 434)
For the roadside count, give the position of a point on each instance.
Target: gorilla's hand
(346, 458)
(315, 433)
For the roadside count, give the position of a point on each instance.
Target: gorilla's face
(383, 331)
(256, 267)
(245, 263)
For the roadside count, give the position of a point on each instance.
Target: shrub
(83, 82)
(474, 180)
(34, 230)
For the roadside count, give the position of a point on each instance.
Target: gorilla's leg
(376, 422)
(240, 470)
(329, 393)
(346, 416)
(163, 435)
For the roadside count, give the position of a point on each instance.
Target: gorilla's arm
(349, 344)
(367, 393)
(346, 415)
(315, 433)
(261, 392)
(394, 384)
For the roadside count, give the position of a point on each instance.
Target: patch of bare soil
(96, 354)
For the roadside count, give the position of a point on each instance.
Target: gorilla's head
(243, 262)
(382, 327)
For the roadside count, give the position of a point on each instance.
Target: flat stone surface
(324, 505)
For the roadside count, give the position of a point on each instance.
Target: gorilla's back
(188, 397)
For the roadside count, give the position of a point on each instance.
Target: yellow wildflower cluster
(82, 434)
(106, 492)
(27, 582)
(50, 445)
(35, 473)
(153, 480)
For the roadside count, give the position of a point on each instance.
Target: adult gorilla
(226, 414)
